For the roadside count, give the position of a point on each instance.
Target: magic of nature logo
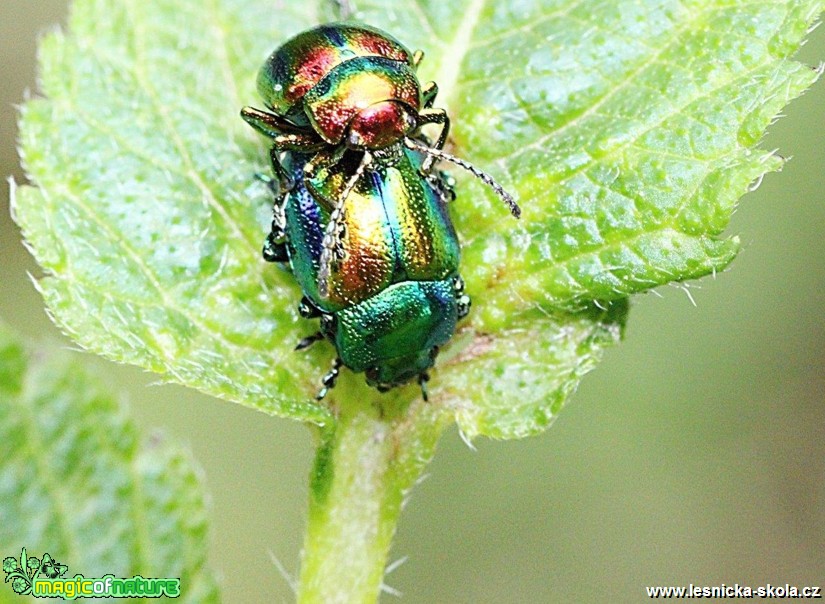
(45, 578)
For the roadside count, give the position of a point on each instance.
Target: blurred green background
(694, 453)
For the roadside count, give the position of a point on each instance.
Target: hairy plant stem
(364, 466)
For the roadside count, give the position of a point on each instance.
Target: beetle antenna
(331, 243)
(515, 210)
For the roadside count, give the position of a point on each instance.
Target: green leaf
(79, 483)
(627, 129)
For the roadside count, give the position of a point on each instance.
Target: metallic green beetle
(360, 214)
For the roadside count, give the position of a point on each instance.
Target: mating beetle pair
(360, 214)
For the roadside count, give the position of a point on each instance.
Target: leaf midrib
(453, 55)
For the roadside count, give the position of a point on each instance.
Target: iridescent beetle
(360, 214)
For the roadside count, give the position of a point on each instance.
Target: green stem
(363, 468)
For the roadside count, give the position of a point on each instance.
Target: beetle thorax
(364, 103)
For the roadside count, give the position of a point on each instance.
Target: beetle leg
(323, 160)
(434, 116)
(308, 310)
(270, 182)
(309, 340)
(428, 94)
(443, 184)
(285, 135)
(284, 180)
(276, 127)
(329, 379)
(274, 249)
(423, 378)
(463, 300)
(464, 303)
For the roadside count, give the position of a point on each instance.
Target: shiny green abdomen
(396, 330)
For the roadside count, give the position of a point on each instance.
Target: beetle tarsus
(423, 378)
(274, 252)
(462, 300)
(274, 249)
(434, 116)
(309, 341)
(308, 310)
(464, 303)
(270, 182)
(443, 184)
(428, 93)
(329, 379)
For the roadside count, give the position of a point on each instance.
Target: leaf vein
(179, 142)
(119, 240)
(625, 81)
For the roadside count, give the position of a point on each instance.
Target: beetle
(360, 212)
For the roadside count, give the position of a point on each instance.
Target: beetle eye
(354, 140)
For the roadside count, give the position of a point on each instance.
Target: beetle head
(380, 125)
